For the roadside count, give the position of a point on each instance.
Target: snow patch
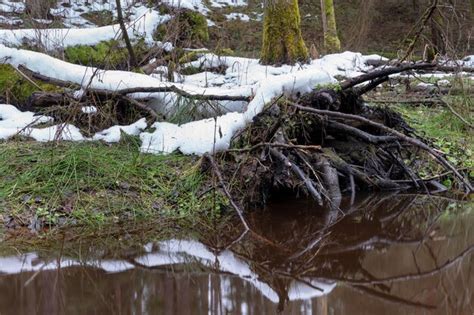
(12, 6)
(89, 109)
(13, 121)
(237, 16)
(54, 38)
(114, 133)
(64, 132)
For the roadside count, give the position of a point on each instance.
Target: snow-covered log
(263, 83)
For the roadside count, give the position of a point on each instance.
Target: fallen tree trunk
(159, 89)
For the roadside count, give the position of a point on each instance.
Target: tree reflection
(296, 258)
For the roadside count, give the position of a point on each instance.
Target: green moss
(331, 39)
(187, 28)
(189, 56)
(282, 40)
(99, 18)
(224, 52)
(107, 54)
(160, 32)
(15, 89)
(329, 86)
(190, 70)
(195, 26)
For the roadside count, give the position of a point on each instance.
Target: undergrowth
(448, 133)
(106, 55)
(16, 89)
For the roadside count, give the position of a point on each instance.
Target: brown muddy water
(399, 254)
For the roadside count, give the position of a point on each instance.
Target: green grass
(94, 184)
(447, 132)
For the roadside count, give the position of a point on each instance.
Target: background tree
(282, 40)
(39, 9)
(437, 36)
(331, 39)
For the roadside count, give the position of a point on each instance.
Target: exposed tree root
(358, 147)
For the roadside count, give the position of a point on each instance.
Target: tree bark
(331, 39)
(39, 9)
(437, 24)
(282, 40)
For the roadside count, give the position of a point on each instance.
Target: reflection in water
(390, 255)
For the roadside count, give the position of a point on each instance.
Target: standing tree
(282, 40)
(39, 9)
(331, 39)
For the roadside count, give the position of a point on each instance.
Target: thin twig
(426, 17)
(142, 106)
(308, 182)
(226, 191)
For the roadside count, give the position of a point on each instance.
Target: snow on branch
(245, 78)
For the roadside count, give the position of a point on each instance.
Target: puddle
(401, 254)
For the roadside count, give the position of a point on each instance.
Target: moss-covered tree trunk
(331, 39)
(282, 40)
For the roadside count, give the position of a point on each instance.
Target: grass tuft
(94, 184)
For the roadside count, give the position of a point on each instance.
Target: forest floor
(85, 188)
(89, 188)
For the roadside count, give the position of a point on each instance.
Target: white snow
(243, 77)
(66, 132)
(214, 134)
(93, 78)
(71, 13)
(238, 16)
(13, 121)
(200, 6)
(11, 6)
(423, 85)
(114, 133)
(468, 61)
(230, 3)
(10, 20)
(443, 83)
(56, 38)
(194, 5)
(88, 109)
